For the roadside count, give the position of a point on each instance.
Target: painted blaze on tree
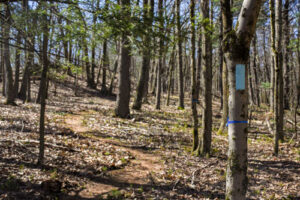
(240, 77)
(236, 46)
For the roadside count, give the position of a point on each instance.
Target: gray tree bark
(105, 57)
(43, 86)
(24, 93)
(221, 61)
(236, 51)
(278, 89)
(204, 145)
(286, 65)
(194, 99)
(9, 92)
(272, 27)
(123, 96)
(180, 65)
(159, 66)
(17, 67)
(144, 75)
(255, 72)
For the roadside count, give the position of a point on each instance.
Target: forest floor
(94, 155)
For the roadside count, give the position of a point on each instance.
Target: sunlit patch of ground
(96, 155)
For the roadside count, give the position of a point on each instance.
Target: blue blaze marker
(240, 75)
(235, 122)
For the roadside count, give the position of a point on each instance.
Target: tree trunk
(90, 70)
(154, 77)
(180, 66)
(251, 90)
(105, 66)
(266, 65)
(88, 67)
(236, 50)
(146, 86)
(105, 56)
(144, 74)
(123, 97)
(286, 65)
(43, 86)
(24, 93)
(159, 66)
(199, 64)
(221, 62)
(272, 24)
(171, 71)
(204, 145)
(298, 55)
(255, 72)
(116, 64)
(194, 88)
(2, 71)
(65, 46)
(266, 68)
(9, 88)
(225, 99)
(278, 90)
(17, 67)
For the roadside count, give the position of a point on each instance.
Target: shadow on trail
(85, 91)
(107, 180)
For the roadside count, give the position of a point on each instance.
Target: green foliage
(265, 85)
(224, 132)
(180, 108)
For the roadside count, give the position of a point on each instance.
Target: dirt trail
(138, 171)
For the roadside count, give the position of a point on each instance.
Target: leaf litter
(95, 155)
